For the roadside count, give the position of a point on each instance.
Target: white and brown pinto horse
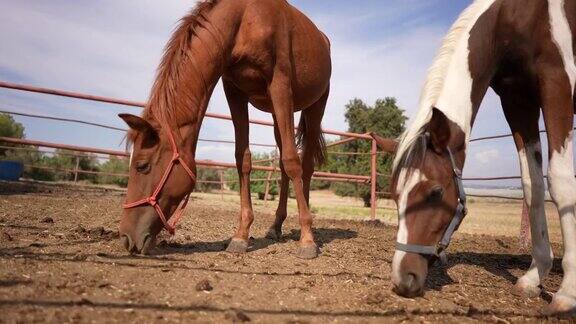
(524, 50)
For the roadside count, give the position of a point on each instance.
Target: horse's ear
(439, 130)
(137, 123)
(385, 144)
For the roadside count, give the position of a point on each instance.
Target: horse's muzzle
(409, 286)
(409, 274)
(141, 245)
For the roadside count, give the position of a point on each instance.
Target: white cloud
(487, 156)
(112, 48)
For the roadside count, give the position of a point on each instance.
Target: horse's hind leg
(275, 231)
(522, 114)
(314, 147)
(239, 110)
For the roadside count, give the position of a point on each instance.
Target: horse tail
(317, 144)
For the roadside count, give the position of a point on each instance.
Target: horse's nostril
(148, 244)
(409, 287)
(410, 281)
(127, 242)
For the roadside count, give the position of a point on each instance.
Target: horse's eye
(142, 167)
(435, 194)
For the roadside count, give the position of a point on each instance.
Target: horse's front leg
(522, 113)
(239, 111)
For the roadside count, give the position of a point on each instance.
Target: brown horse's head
(152, 155)
(426, 195)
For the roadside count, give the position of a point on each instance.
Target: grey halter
(461, 211)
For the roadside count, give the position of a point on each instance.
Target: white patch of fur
(562, 186)
(562, 37)
(561, 175)
(451, 58)
(131, 156)
(396, 261)
(413, 178)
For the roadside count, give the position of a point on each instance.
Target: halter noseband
(461, 211)
(152, 200)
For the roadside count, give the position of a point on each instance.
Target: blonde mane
(434, 84)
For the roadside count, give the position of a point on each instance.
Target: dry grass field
(488, 216)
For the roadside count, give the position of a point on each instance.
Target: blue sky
(111, 48)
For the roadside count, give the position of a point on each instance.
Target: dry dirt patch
(72, 269)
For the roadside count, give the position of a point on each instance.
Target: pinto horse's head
(427, 196)
(161, 176)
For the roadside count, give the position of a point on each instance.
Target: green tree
(9, 128)
(114, 165)
(68, 160)
(28, 155)
(384, 118)
(210, 175)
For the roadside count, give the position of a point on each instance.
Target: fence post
(373, 180)
(221, 173)
(268, 177)
(76, 169)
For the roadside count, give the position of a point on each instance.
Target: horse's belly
(251, 82)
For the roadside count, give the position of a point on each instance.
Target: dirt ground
(60, 261)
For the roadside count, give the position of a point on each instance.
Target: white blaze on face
(406, 183)
(562, 37)
(131, 156)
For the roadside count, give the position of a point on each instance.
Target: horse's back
(272, 36)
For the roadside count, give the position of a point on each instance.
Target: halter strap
(152, 200)
(459, 214)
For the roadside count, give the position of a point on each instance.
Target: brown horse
(269, 55)
(524, 50)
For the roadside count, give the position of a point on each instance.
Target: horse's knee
(292, 167)
(247, 215)
(562, 187)
(244, 161)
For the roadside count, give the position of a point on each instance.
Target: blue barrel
(11, 170)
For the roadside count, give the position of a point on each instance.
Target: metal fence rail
(325, 176)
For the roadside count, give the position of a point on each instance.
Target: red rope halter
(152, 199)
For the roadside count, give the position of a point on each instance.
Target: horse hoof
(525, 290)
(237, 246)
(307, 252)
(561, 305)
(274, 234)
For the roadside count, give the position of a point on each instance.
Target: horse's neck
(209, 53)
(188, 92)
(467, 79)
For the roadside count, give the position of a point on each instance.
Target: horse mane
(410, 147)
(165, 102)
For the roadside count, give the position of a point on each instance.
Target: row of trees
(384, 118)
(52, 166)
